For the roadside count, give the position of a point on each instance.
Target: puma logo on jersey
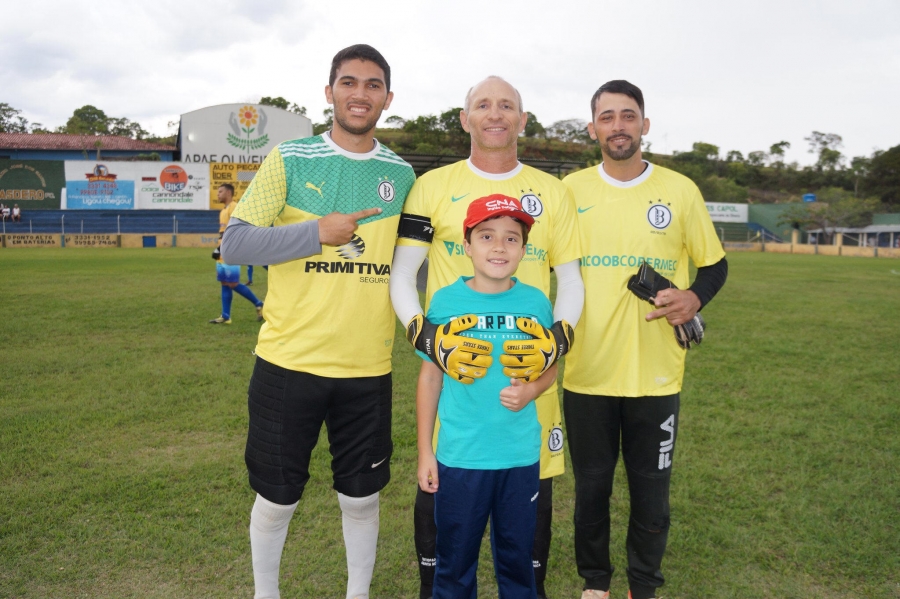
(316, 189)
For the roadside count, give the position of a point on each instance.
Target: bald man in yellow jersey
(429, 226)
(623, 377)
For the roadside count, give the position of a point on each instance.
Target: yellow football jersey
(330, 314)
(443, 196)
(225, 215)
(659, 218)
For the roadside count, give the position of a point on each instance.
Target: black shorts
(287, 409)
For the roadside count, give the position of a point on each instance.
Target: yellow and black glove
(527, 359)
(463, 358)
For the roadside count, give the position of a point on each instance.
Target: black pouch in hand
(647, 283)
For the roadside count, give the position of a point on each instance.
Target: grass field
(123, 417)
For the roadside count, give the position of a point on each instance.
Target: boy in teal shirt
(488, 445)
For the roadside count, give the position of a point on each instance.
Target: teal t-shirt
(476, 431)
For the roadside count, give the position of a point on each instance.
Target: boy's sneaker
(259, 316)
(220, 320)
(595, 594)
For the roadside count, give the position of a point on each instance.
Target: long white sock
(268, 529)
(360, 519)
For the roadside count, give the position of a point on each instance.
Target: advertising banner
(46, 240)
(728, 213)
(238, 175)
(32, 184)
(168, 186)
(91, 241)
(99, 186)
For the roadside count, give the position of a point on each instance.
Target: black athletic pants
(647, 428)
(426, 535)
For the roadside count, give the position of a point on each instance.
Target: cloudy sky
(738, 75)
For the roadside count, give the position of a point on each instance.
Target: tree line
(848, 189)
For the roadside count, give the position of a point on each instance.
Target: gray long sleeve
(244, 243)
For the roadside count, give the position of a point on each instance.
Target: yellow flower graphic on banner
(248, 116)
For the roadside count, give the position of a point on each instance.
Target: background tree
(776, 151)
(279, 102)
(126, 128)
(87, 120)
(826, 146)
(395, 121)
(884, 176)
(757, 158)
(705, 150)
(734, 156)
(570, 130)
(319, 128)
(12, 121)
(533, 127)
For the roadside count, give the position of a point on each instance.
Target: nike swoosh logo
(456, 199)
(580, 209)
(377, 464)
(535, 496)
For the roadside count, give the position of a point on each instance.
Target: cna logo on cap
(500, 204)
(247, 121)
(353, 249)
(101, 173)
(173, 178)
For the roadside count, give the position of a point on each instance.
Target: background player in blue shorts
(488, 450)
(229, 274)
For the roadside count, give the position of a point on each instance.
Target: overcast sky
(741, 76)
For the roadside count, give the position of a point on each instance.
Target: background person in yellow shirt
(623, 376)
(230, 274)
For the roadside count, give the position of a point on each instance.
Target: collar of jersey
(326, 137)
(623, 184)
(494, 176)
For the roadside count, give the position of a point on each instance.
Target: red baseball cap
(493, 206)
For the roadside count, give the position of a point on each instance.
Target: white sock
(360, 519)
(268, 529)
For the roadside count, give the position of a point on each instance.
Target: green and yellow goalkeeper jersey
(659, 218)
(330, 314)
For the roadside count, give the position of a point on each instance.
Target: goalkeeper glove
(463, 358)
(527, 359)
(216, 253)
(691, 332)
(646, 284)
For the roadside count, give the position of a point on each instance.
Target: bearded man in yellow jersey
(623, 378)
(429, 226)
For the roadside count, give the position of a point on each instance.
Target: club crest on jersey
(532, 204)
(386, 190)
(555, 440)
(659, 216)
(353, 249)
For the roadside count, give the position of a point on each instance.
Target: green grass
(123, 416)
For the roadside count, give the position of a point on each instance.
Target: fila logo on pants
(665, 447)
